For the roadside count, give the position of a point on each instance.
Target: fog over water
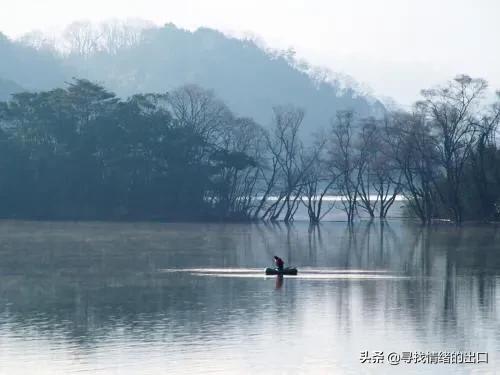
(113, 298)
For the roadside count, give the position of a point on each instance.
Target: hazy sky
(395, 46)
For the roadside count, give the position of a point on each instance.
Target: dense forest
(82, 152)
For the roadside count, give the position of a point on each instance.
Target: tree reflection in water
(91, 282)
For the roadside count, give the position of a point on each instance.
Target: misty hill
(248, 78)
(27, 67)
(7, 88)
(245, 76)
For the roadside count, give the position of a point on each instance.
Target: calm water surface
(104, 298)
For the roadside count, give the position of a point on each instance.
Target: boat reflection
(279, 282)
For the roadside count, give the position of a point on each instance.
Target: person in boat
(279, 263)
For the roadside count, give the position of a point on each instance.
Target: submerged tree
(413, 148)
(482, 170)
(238, 159)
(451, 113)
(367, 150)
(318, 181)
(346, 161)
(292, 162)
(387, 179)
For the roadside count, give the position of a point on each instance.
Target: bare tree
(199, 109)
(116, 35)
(386, 176)
(451, 112)
(241, 151)
(318, 181)
(483, 150)
(39, 40)
(413, 150)
(387, 180)
(82, 38)
(288, 152)
(269, 174)
(346, 162)
(367, 150)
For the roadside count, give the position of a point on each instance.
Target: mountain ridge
(249, 78)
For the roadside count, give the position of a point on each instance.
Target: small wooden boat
(285, 271)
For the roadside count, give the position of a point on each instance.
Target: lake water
(108, 298)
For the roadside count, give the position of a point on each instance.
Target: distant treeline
(80, 152)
